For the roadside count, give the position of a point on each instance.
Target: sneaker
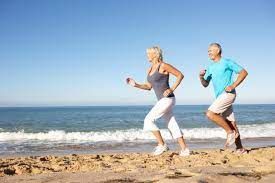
(230, 139)
(241, 151)
(185, 152)
(160, 149)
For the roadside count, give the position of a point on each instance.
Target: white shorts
(223, 106)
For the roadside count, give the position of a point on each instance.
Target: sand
(212, 165)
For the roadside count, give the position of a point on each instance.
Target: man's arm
(240, 78)
(204, 82)
(242, 75)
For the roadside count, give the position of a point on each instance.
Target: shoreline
(213, 165)
(138, 147)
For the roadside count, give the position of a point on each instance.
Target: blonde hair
(157, 51)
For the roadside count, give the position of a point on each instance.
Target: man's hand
(202, 73)
(242, 75)
(229, 88)
(204, 82)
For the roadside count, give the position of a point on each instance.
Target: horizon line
(122, 105)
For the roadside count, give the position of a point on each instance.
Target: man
(220, 72)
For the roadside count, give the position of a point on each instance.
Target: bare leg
(181, 142)
(219, 120)
(234, 124)
(238, 141)
(158, 137)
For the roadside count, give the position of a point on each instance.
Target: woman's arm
(170, 69)
(145, 86)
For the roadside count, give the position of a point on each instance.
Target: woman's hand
(167, 92)
(131, 82)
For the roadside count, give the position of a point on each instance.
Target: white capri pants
(163, 108)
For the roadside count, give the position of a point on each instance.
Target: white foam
(247, 131)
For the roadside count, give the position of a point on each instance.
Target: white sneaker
(230, 139)
(185, 152)
(160, 149)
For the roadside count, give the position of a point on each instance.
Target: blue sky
(80, 52)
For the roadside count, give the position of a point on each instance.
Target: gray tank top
(160, 83)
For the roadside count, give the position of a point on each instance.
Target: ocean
(104, 129)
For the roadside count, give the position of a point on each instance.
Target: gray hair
(157, 51)
(218, 46)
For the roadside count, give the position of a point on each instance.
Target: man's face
(213, 52)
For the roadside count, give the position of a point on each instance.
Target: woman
(158, 79)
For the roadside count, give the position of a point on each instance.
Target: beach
(205, 165)
(107, 144)
(92, 90)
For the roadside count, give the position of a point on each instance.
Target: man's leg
(230, 119)
(220, 105)
(219, 120)
(238, 141)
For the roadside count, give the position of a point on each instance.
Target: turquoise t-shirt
(221, 74)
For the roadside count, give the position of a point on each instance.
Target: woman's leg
(182, 143)
(161, 107)
(158, 137)
(174, 128)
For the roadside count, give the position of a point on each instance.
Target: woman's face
(150, 56)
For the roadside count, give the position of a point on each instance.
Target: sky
(66, 52)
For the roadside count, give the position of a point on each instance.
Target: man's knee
(210, 115)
